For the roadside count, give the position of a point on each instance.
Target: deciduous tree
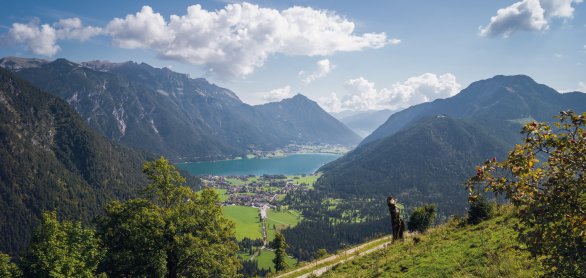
(62, 249)
(545, 177)
(172, 232)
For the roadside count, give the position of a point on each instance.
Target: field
(246, 219)
(281, 220)
(308, 179)
(265, 260)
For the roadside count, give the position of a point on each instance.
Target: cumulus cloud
(277, 94)
(363, 94)
(237, 39)
(528, 15)
(42, 39)
(323, 68)
(232, 41)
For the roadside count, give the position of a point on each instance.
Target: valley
(255, 205)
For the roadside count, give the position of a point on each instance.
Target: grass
(489, 249)
(222, 194)
(265, 260)
(343, 255)
(246, 219)
(236, 182)
(281, 220)
(308, 179)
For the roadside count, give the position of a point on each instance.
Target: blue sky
(347, 55)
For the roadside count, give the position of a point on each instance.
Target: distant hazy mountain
(364, 122)
(426, 152)
(172, 114)
(304, 120)
(51, 159)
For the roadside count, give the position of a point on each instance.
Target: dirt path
(332, 259)
(263, 216)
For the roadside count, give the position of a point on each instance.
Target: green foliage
(550, 195)
(132, 233)
(8, 269)
(320, 253)
(279, 245)
(174, 232)
(480, 209)
(62, 249)
(422, 218)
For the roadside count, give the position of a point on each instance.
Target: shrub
(480, 210)
(422, 218)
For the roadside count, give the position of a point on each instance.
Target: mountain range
(169, 113)
(51, 159)
(423, 154)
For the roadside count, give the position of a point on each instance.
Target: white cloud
(528, 15)
(143, 29)
(363, 94)
(323, 68)
(277, 94)
(394, 41)
(581, 86)
(237, 39)
(232, 41)
(42, 39)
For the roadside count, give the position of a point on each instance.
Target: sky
(346, 55)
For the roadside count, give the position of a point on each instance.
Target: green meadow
(280, 220)
(247, 221)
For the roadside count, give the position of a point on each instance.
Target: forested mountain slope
(423, 163)
(51, 159)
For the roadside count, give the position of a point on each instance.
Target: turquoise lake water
(294, 164)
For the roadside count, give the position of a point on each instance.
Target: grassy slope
(246, 219)
(489, 249)
(281, 220)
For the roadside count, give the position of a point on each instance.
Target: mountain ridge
(415, 156)
(169, 113)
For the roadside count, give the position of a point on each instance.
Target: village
(253, 191)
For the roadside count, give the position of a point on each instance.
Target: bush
(480, 210)
(422, 218)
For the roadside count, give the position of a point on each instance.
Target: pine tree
(279, 245)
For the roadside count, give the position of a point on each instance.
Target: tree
(62, 249)
(422, 218)
(320, 253)
(8, 269)
(171, 232)
(480, 210)
(550, 195)
(279, 245)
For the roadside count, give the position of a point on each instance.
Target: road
(332, 259)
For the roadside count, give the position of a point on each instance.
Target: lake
(293, 164)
